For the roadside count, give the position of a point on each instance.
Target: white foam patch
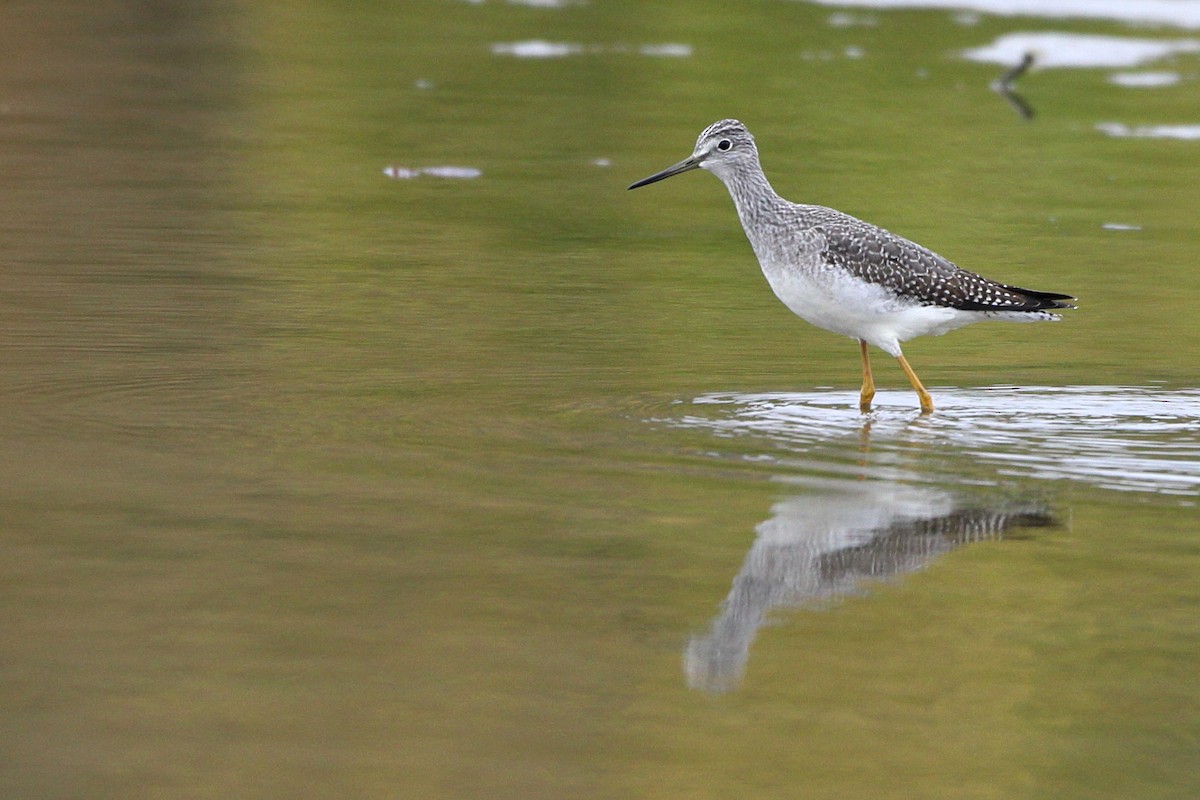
(1122, 131)
(538, 48)
(536, 3)
(407, 173)
(1144, 80)
(1079, 50)
(669, 50)
(1176, 13)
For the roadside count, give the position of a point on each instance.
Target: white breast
(837, 301)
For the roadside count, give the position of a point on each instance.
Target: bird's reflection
(824, 544)
(1016, 100)
(1005, 86)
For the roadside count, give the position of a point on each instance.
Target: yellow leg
(922, 395)
(868, 387)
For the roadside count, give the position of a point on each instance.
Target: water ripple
(1124, 438)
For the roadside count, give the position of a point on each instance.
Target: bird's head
(723, 148)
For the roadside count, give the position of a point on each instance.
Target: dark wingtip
(1052, 299)
(1039, 301)
(1033, 301)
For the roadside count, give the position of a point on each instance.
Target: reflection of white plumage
(816, 547)
(848, 276)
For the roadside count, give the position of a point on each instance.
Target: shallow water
(1114, 437)
(362, 436)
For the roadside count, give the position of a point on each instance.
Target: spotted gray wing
(919, 274)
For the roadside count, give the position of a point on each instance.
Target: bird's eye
(724, 144)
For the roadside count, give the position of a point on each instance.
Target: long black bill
(688, 164)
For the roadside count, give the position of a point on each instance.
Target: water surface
(484, 477)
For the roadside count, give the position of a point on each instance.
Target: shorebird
(848, 276)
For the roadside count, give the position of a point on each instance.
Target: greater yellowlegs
(848, 276)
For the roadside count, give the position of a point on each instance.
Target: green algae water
(363, 437)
